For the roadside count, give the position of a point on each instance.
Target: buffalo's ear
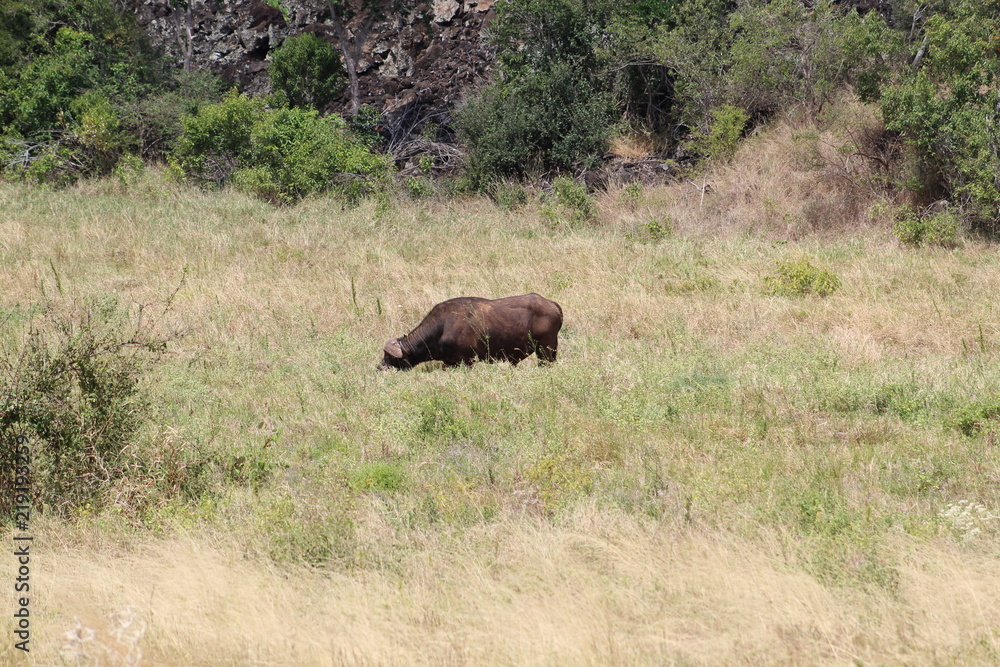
(393, 349)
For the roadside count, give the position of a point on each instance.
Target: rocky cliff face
(423, 56)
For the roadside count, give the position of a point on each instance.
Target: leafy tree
(695, 50)
(946, 105)
(537, 121)
(307, 70)
(641, 84)
(15, 30)
(40, 95)
(154, 119)
(547, 108)
(762, 57)
(783, 53)
(68, 72)
(531, 35)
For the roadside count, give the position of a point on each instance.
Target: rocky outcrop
(426, 55)
(414, 64)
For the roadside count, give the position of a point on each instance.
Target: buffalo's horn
(393, 349)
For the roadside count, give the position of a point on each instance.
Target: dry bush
(635, 145)
(793, 178)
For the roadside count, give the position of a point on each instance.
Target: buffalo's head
(394, 357)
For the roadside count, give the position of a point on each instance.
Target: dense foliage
(307, 70)
(80, 88)
(700, 73)
(553, 118)
(278, 154)
(546, 109)
(946, 104)
(675, 68)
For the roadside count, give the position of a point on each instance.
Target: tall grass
(710, 473)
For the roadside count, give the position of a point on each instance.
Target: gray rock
(235, 38)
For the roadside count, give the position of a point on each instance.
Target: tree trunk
(351, 46)
(189, 29)
(351, 65)
(348, 54)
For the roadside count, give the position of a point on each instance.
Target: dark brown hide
(462, 330)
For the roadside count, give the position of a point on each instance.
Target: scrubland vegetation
(83, 94)
(770, 435)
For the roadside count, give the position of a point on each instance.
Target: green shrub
(45, 162)
(280, 155)
(558, 480)
(71, 386)
(418, 188)
(784, 53)
(631, 194)
(946, 108)
(378, 476)
(97, 133)
(80, 47)
(901, 399)
(68, 78)
(215, 140)
(439, 420)
(941, 229)
(559, 30)
(129, 171)
(18, 24)
(366, 124)
(658, 229)
(155, 120)
(91, 146)
(936, 229)
(508, 195)
(725, 130)
(573, 197)
(53, 133)
(40, 97)
(820, 509)
(798, 278)
(975, 417)
(307, 69)
(907, 226)
(731, 63)
(541, 120)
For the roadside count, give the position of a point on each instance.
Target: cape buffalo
(459, 331)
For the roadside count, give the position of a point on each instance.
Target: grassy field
(712, 472)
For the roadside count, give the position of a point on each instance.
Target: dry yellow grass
(790, 180)
(634, 145)
(599, 589)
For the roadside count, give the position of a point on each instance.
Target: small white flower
(966, 519)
